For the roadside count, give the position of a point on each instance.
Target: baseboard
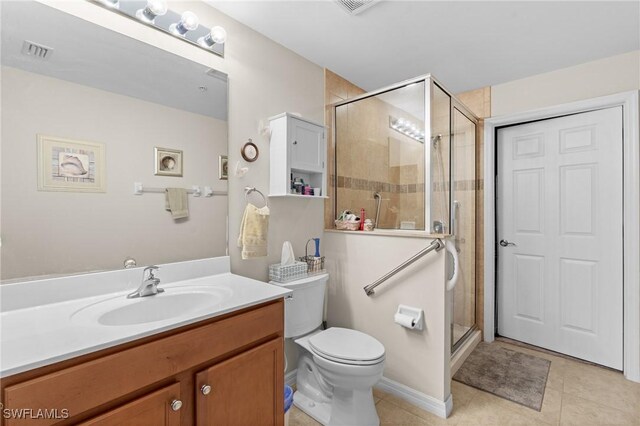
(419, 399)
(290, 377)
(464, 351)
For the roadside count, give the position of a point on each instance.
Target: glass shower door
(463, 213)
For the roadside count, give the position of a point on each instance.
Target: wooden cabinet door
(152, 409)
(307, 145)
(247, 389)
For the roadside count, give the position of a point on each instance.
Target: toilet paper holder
(409, 317)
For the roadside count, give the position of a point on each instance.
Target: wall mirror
(83, 109)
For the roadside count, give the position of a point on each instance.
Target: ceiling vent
(37, 51)
(354, 7)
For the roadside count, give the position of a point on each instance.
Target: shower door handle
(505, 243)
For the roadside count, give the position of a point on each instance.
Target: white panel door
(559, 213)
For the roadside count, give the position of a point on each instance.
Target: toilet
(337, 367)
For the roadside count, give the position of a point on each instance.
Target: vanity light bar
(156, 14)
(407, 128)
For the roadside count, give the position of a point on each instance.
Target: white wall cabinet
(299, 150)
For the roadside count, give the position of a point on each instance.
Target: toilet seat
(346, 346)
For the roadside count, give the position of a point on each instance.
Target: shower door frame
(456, 104)
(631, 213)
(428, 80)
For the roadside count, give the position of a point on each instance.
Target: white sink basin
(174, 303)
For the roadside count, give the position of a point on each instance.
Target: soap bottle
(362, 219)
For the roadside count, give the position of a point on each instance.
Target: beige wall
(264, 79)
(66, 232)
(606, 76)
(418, 359)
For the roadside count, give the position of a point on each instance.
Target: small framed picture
(168, 162)
(70, 165)
(223, 167)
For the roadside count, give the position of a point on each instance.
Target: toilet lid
(346, 345)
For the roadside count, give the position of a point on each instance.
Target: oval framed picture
(250, 151)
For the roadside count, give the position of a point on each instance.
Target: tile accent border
(372, 185)
(410, 188)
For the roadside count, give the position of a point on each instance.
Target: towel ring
(249, 189)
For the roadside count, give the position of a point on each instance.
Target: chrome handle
(150, 269)
(176, 404)
(505, 243)
(205, 389)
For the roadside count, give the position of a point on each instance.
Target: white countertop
(34, 336)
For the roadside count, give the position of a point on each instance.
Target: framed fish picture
(70, 165)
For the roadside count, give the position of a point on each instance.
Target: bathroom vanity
(219, 364)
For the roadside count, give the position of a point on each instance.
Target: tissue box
(283, 274)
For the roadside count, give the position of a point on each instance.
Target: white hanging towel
(253, 232)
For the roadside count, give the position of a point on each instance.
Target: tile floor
(576, 394)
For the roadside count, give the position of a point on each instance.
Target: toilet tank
(303, 312)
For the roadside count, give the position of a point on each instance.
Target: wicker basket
(315, 265)
(344, 225)
(283, 274)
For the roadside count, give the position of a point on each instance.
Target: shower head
(435, 140)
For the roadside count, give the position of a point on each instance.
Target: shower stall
(406, 154)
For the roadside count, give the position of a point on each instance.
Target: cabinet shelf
(296, 196)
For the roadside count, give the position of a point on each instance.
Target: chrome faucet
(149, 285)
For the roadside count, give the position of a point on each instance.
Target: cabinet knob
(205, 389)
(176, 404)
(295, 142)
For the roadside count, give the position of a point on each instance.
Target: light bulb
(218, 35)
(188, 22)
(157, 7)
(153, 9)
(115, 4)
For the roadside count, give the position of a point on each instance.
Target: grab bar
(436, 245)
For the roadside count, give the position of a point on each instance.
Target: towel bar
(249, 189)
(139, 189)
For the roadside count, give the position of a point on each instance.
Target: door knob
(205, 389)
(505, 243)
(176, 404)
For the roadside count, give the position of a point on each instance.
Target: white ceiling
(466, 45)
(95, 56)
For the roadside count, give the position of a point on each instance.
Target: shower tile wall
(336, 89)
